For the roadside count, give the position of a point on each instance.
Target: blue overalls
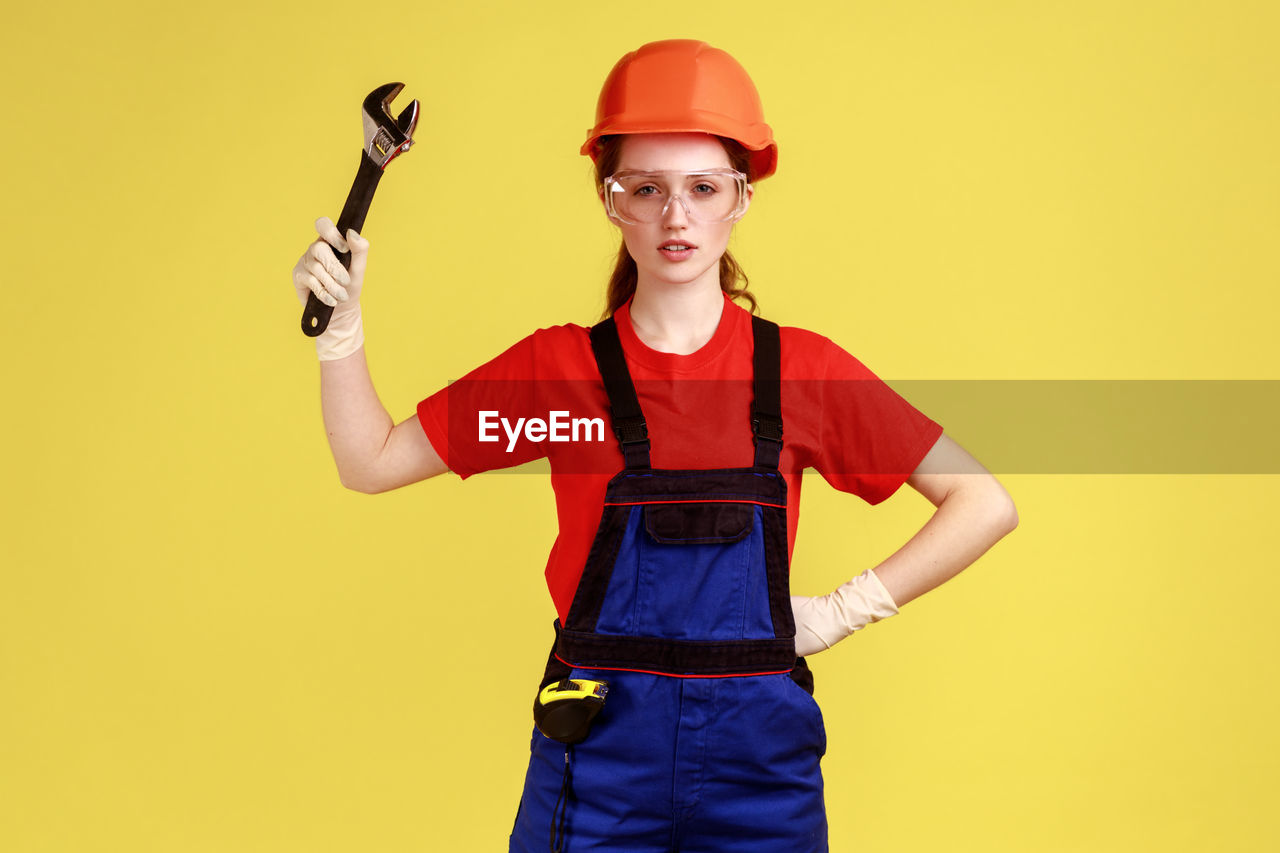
(709, 739)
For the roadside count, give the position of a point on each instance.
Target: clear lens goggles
(710, 195)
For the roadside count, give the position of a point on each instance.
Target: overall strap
(624, 407)
(766, 409)
(628, 421)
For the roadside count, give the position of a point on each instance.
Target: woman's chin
(682, 280)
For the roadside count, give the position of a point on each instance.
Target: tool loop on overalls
(559, 828)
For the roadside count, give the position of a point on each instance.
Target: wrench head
(385, 138)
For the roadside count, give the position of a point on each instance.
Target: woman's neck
(677, 319)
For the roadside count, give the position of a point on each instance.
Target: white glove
(826, 620)
(318, 271)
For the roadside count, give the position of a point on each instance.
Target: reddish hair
(622, 283)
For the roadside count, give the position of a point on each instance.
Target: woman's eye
(704, 189)
(646, 190)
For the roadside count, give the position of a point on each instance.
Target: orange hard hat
(684, 86)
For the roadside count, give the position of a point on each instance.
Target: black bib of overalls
(687, 575)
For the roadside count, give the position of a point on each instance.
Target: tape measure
(564, 709)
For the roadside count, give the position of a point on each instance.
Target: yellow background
(206, 644)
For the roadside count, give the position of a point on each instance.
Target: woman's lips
(674, 250)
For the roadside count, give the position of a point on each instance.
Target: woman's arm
(372, 455)
(973, 513)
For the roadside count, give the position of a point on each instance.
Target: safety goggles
(708, 195)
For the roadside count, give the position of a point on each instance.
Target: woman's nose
(674, 213)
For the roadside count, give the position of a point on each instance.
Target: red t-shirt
(838, 418)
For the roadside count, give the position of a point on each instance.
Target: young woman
(669, 574)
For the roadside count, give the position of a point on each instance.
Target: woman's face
(699, 265)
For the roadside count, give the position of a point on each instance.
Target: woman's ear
(751, 191)
(600, 192)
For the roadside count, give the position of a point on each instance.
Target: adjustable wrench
(385, 139)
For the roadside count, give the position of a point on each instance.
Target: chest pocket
(698, 523)
(690, 571)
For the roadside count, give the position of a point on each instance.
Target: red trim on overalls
(676, 674)
(710, 501)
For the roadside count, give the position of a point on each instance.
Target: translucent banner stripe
(1011, 426)
(1109, 426)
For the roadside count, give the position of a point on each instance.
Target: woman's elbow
(376, 479)
(354, 485)
(1003, 512)
(360, 481)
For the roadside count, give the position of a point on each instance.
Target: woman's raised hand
(318, 271)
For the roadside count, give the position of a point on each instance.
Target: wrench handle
(315, 318)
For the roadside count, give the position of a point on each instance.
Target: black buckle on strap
(630, 430)
(766, 426)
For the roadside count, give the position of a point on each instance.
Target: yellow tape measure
(573, 688)
(564, 709)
